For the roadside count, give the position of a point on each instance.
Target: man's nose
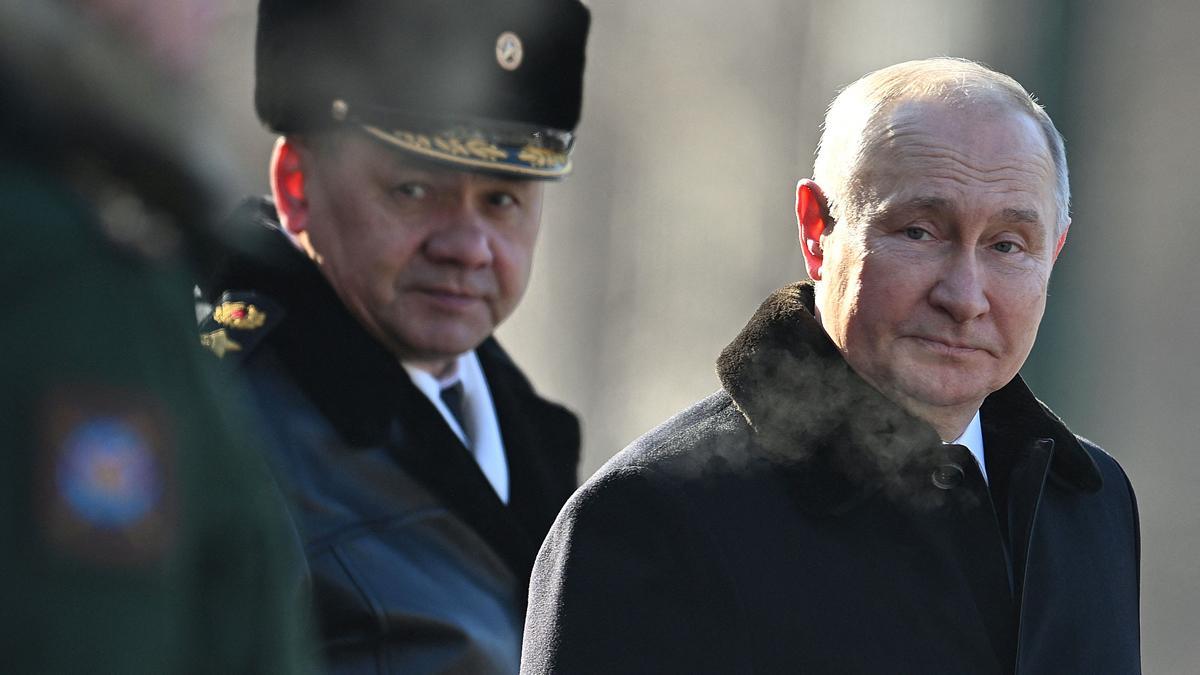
(961, 288)
(460, 238)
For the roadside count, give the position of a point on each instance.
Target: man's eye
(501, 199)
(916, 233)
(412, 190)
(1006, 246)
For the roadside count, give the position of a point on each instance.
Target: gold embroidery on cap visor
(477, 152)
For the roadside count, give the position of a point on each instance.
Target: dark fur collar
(805, 403)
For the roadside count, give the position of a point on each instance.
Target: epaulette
(238, 322)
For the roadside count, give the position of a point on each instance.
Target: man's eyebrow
(1029, 216)
(927, 204)
(916, 204)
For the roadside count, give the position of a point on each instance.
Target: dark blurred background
(700, 116)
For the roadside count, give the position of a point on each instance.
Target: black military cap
(493, 85)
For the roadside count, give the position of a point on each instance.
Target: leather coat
(415, 564)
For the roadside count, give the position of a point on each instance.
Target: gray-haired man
(874, 489)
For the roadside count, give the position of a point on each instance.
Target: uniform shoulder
(52, 226)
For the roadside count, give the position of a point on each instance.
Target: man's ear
(812, 221)
(287, 185)
(1062, 239)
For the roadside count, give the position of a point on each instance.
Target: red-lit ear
(287, 185)
(812, 221)
(1062, 239)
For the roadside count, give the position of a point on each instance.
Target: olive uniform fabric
(139, 530)
(140, 534)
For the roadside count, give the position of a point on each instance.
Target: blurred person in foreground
(421, 468)
(138, 528)
(874, 489)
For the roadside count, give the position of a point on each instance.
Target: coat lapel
(424, 445)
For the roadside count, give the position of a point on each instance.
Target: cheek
(1019, 297)
(513, 260)
(1020, 317)
(371, 266)
(870, 320)
(512, 277)
(380, 244)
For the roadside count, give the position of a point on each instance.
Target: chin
(940, 393)
(451, 343)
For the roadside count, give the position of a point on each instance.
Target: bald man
(874, 488)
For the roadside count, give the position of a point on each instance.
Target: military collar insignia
(239, 315)
(219, 342)
(238, 322)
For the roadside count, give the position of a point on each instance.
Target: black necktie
(452, 396)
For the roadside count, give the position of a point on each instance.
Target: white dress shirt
(482, 435)
(972, 438)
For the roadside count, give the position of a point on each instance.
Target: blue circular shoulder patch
(108, 474)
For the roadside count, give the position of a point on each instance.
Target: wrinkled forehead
(976, 128)
(974, 144)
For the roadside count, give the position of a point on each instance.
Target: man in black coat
(874, 489)
(421, 468)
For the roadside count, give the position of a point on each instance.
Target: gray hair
(859, 112)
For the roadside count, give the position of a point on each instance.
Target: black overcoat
(415, 564)
(798, 522)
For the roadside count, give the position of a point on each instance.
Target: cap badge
(239, 316)
(509, 51)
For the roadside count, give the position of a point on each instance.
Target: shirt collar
(432, 385)
(486, 444)
(972, 439)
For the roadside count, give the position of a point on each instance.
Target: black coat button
(947, 476)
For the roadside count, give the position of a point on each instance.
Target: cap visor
(476, 152)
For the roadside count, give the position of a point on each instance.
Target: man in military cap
(138, 530)
(422, 469)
